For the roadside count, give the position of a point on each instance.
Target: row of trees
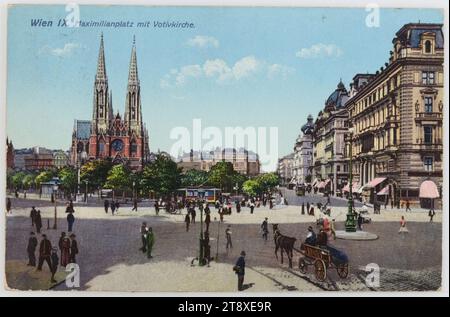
(162, 177)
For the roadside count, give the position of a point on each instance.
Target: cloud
(202, 41)
(320, 50)
(276, 70)
(64, 51)
(221, 72)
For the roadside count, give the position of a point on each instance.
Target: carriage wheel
(320, 270)
(302, 266)
(342, 270)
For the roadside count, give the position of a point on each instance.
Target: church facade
(108, 135)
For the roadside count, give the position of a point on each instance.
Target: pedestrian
(106, 204)
(73, 248)
(8, 205)
(270, 203)
(307, 207)
(311, 210)
(31, 249)
(239, 269)
(60, 243)
(33, 214)
(403, 228)
(407, 206)
(156, 207)
(252, 207)
(143, 232)
(187, 220)
(228, 236)
(135, 205)
(24, 194)
(113, 207)
(360, 221)
(221, 214)
(431, 214)
(38, 221)
(150, 242)
(264, 229)
(303, 208)
(65, 251)
(238, 206)
(207, 221)
(117, 206)
(54, 261)
(193, 214)
(45, 250)
(70, 221)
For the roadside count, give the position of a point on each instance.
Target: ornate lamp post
(87, 182)
(201, 254)
(350, 222)
(55, 189)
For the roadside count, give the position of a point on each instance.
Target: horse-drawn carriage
(322, 257)
(322, 260)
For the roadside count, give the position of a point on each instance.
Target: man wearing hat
(31, 249)
(45, 249)
(265, 229)
(239, 268)
(73, 248)
(228, 236)
(55, 259)
(311, 236)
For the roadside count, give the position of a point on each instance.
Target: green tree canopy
(222, 176)
(29, 180)
(161, 176)
(44, 176)
(119, 178)
(95, 172)
(251, 187)
(268, 181)
(194, 178)
(68, 179)
(17, 179)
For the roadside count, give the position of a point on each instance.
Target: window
(338, 168)
(428, 134)
(101, 147)
(428, 104)
(428, 163)
(428, 78)
(427, 46)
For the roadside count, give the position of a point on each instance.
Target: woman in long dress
(403, 226)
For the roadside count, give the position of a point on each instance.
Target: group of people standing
(113, 205)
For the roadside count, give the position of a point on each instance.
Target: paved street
(109, 258)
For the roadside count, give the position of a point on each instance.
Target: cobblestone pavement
(109, 258)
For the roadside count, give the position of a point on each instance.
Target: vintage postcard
(225, 149)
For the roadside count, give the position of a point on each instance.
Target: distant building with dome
(303, 154)
(329, 165)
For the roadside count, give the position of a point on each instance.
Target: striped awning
(354, 188)
(384, 191)
(374, 182)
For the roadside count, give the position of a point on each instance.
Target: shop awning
(321, 185)
(384, 191)
(314, 183)
(354, 188)
(374, 182)
(428, 189)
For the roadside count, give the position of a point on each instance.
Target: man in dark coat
(143, 232)
(73, 248)
(135, 205)
(239, 269)
(8, 205)
(264, 229)
(70, 221)
(45, 250)
(187, 220)
(54, 260)
(193, 214)
(38, 221)
(113, 207)
(31, 249)
(33, 214)
(207, 221)
(106, 204)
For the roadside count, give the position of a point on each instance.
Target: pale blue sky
(257, 74)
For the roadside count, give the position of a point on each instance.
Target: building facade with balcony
(398, 115)
(285, 169)
(329, 162)
(303, 153)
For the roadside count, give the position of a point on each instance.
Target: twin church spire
(103, 115)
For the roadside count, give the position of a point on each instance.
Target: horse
(284, 243)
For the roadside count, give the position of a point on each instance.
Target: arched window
(133, 148)
(427, 46)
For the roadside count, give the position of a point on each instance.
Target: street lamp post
(350, 223)
(86, 191)
(217, 246)
(55, 189)
(201, 250)
(134, 195)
